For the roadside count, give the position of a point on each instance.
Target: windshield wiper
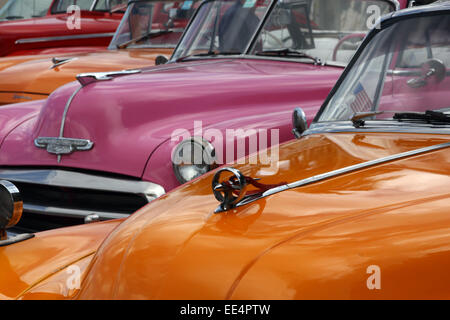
(13, 17)
(210, 54)
(428, 116)
(287, 52)
(148, 35)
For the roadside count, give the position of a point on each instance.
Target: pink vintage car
(104, 146)
(29, 27)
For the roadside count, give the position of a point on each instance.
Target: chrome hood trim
(63, 38)
(334, 173)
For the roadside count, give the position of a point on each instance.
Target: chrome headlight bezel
(194, 153)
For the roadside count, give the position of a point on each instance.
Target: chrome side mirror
(432, 68)
(160, 59)
(299, 122)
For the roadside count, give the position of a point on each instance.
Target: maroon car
(57, 26)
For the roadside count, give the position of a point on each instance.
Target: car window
(62, 5)
(416, 50)
(404, 68)
(24, 9)
(328, 30)
(149, 24)
(106, 5)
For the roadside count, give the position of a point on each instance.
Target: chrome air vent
(58, 198)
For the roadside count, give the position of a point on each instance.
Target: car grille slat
(58, 198)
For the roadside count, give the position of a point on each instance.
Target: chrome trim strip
(71, 179)
(63, 120)
(338, 172)
(62, 38)
(366, 164)
(15, 238)
(71, 213)
(390, 126)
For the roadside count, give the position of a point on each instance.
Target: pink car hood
(128, 117)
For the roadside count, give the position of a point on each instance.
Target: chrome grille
(57, 198)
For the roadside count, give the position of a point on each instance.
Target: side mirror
(160, 59)
(431, 69)
(299, 122)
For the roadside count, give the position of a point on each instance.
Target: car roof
(433, 7)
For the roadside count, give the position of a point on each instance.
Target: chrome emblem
(63, 146)
(229, 191)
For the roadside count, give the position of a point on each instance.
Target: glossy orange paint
(27, 78)
(316, 241)
(29, 267)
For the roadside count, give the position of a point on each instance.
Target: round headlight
(11, 206)
(191, 158)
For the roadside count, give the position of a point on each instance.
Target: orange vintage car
(356, 208)
(150, 29)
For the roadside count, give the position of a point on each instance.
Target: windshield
(62, 5)
(110, 5)
(404, 68)
(148, 24)
(225, 26)
(301, 29)
(24, 9)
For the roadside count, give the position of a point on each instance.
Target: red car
(53, 26)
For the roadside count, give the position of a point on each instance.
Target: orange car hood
(315, 241)
(26, 264)
(34, 74)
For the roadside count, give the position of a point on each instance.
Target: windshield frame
(382, 125)
(246, 53)
(124, 20)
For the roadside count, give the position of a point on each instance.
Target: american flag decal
(362, 100)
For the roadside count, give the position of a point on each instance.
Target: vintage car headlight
(193, 157)
(11, 206)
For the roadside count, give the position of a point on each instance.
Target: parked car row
(284, 150)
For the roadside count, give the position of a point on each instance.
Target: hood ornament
(229, 191)
(87, 78)
(232, 192)
(60, 61)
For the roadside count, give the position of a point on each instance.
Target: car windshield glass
(310, 30)
(329, 31)
(403, 73)
(149, 24)
(62, 5)
(224, 26)
(24, 9)
(110, 5)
